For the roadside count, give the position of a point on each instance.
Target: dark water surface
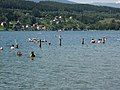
(70, 67)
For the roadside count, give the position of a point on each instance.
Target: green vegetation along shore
(46, 15)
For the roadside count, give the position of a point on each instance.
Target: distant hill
(62, 1)
(56, 15)
(115, 5)
(54, 6)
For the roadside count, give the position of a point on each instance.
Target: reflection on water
(70, 67)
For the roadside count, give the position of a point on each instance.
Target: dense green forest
(21, 14)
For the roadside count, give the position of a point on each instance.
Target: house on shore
(17, 26)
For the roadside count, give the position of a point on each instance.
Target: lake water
(70, 67)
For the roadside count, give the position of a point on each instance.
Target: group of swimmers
(19, 53)
(94, 41)
(34, 40)
(32, 54)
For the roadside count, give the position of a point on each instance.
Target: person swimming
(104, 40)
(19, 53)
(1, 48)
(32, 54)
(93, 41)
(99, 41)
(49, 43)
(12, 47)
(16, 46)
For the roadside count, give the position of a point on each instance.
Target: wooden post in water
(82, 41)
(60, 40)
(40, 43)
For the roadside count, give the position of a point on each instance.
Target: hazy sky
(92, 1)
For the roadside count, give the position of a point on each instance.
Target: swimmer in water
(19, 53)
(99, 41)
(16, 46)
(49, 43)
(93, 41)
(32, 54)
(104, 40)
(1, 48)
(12, 47)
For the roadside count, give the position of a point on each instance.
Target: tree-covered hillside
(54, 15)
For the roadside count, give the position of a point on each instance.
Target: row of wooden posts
(60, 42)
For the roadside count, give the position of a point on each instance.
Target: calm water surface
(70, 67)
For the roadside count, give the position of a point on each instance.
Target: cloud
(94, 1)
(118, 1)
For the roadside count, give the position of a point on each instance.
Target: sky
(94, 1)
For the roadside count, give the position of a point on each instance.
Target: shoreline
(52, 30)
